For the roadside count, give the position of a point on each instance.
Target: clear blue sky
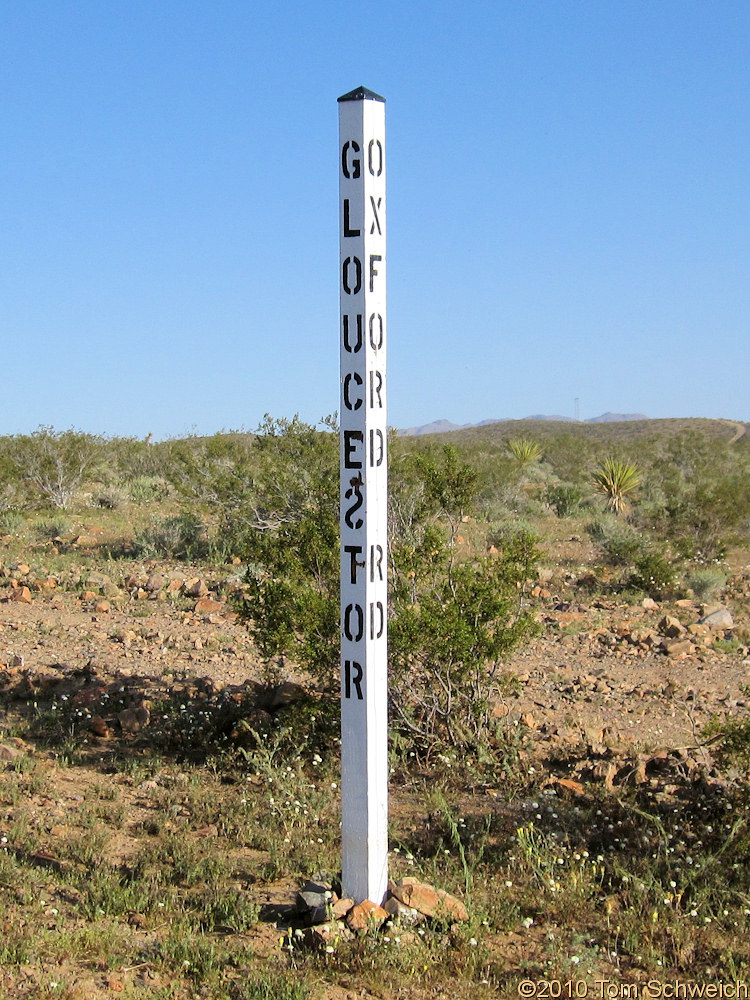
(568, 215)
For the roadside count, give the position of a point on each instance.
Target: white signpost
(364, 497)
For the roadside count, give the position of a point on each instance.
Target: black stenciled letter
(376, 562)
(376, 168)
(349, 403)
(354, 635)
(347, 230)
(350, 166)
(376, 331)
(353, 674)
(354, 492)
(376, 631)
(356, 263)
(351, 439)
(376, 385)
(375, 219)
(354, 564)
(373, 269)
(377, 442)
(358, 341)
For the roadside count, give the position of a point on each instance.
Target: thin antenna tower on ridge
(577, 409)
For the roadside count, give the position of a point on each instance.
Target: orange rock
(365, 916)
(206, 606)
(679, 647)
(22, 595)
(98, 727)
(572, 786)
(341, 907)
(428, 900)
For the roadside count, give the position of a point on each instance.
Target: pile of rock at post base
(330, 920)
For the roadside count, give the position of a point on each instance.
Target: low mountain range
(443, 426)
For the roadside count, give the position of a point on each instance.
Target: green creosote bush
(51, 466)
(705, 517)
(452, 619)
(733, 748)
(654, 574)
(622, 545)
(564, 498)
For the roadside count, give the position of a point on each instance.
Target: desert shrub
(703, 518)
(505, 533)
(180, 537)
(621, 544)
(654, 574)
(53, 465)
(512, 500)
(147, 489)
(8, 476)
(131, 458)
(564, 498)
(707, 582)
(216, 470)
(734, 747)
(10, 521)
(48, 531)
(451, 620)
(452, 626)
(109, 499)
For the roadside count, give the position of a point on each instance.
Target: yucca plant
(524, 451)
(617, 481)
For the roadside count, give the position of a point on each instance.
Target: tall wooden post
(364, 496)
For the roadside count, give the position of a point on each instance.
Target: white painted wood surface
(364, 496)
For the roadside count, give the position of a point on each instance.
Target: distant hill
(445, 426)
(611, 418)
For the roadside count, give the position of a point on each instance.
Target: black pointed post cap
(361, 94)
